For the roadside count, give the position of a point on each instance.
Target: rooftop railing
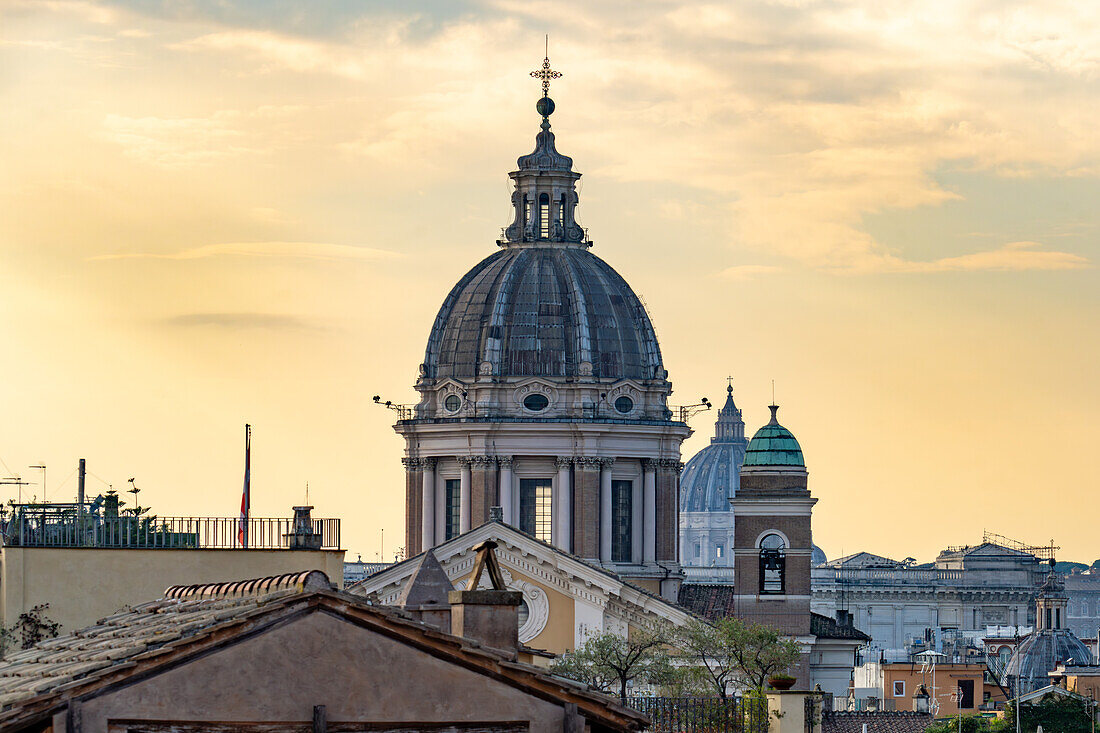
(172, 533)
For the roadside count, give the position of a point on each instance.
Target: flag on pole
(242, 523)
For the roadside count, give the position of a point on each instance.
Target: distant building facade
(952, 600)
(1083, 610)
(87, 562)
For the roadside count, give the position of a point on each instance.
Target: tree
(1061, 713)
(30, 628)
(609, 661)
(730, 651)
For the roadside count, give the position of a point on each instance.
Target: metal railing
(165, 532)
(703, 714)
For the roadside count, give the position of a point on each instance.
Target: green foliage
(1056, 713)
(30, 628)
(970, 724)
(608, 662)
(729, 651)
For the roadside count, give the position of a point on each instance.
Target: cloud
(1015, 256)
(301, 250)
(263, 321)
(747, 272)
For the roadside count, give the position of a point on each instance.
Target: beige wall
(947, 682)
(558, 634)
(83, 585)
(357, 674)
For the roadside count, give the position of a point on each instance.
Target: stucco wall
(83, 585)
(320, 659)
(557, 635)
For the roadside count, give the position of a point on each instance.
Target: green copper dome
(773, 445)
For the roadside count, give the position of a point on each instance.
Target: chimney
(490, 617)
(302, 536)
(425, 594)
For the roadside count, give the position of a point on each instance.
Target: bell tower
(772, 538)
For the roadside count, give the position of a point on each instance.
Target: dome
(817, 557)
(543, 311)
(710, 479)
(774, 445)
(1039, 653)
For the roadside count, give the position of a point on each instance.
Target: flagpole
(246, 494)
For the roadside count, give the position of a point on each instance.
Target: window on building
(899, 688)
(698, 550)
(535, 496)
(718, 551)
(544, 216)
(453, 507)
(773, 563)
(622, 512)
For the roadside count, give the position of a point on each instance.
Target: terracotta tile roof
(824, 627)
(36, 682)
(715, 601)
(877, 722)
(711, 601)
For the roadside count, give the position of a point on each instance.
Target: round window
(452, 403)
(624, 404)
(536, 402)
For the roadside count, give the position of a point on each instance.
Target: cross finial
(729, 382)
(546, 73)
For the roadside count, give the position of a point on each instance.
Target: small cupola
(544, 202)
(774, 445)
(730, 427)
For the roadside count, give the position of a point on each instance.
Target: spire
(730, 427)
(774, 409)
(545, 200)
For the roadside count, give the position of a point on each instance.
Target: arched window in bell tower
(773, 564)
(544, 216)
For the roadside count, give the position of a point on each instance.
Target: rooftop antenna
(135, 491)
(16, 481)
(42, 466)
(307, 493)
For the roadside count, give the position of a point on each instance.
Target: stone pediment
(864, 560)
(555, 584)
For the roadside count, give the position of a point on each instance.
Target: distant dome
(710, 479)
(543, 311)
(1040, 653)
(817, 557)
(774, 445)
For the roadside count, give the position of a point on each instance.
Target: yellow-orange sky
(219, 212)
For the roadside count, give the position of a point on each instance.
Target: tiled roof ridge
(23, 696)
(300, 581)
(874, 713)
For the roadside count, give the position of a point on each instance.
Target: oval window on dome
(536, 402)
(452, 403)
(624, 404)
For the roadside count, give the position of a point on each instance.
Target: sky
(214, 213)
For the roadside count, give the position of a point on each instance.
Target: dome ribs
(542, 312)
